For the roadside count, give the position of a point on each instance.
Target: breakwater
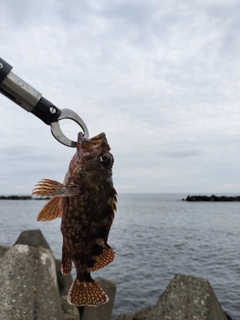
(15, 197)
(211, 198)
(32, 287)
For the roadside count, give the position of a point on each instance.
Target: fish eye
(106, 159)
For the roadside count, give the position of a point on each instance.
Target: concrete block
(28, 285)
(187, 297)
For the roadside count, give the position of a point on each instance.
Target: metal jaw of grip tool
(21, 93)
(57, 132)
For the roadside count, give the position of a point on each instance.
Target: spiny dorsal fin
(53, 209)
(114, 203)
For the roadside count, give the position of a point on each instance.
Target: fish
(86, 203)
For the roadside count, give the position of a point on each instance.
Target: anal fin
(104, 259)
(66, 265)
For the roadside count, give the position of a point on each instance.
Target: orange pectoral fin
(104, 259)
(53, 209)
(47, 187)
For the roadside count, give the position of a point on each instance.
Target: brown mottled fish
(86, 201)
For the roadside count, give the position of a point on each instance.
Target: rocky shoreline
(15, 197)
(211, 198)
(32, 287)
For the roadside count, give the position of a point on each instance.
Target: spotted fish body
(86, 202)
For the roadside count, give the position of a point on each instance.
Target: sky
(160, 78)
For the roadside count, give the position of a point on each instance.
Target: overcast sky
(160, 78)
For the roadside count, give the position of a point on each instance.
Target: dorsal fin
(104, 259)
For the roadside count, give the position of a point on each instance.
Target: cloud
(161, 79)
(181, 154)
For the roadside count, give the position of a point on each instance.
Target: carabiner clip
(57, 132)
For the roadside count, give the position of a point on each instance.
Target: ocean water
(155, 236)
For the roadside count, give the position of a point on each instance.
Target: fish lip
(80, 136)
(85, 145)
(95, 140)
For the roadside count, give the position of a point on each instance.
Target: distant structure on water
(211, 198)
(15, 197)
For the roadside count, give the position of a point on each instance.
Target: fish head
(92, 163)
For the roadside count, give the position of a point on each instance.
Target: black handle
(46, 111)
(21, 93)
(5, 68)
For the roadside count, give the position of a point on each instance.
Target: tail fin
(86, 294)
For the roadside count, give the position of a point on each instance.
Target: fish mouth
(95, 142)
(80, 137)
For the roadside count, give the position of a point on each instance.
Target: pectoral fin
(47, 187)
(53, 209)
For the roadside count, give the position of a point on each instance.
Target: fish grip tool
(21, 93)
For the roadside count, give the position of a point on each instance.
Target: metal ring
(57, 132)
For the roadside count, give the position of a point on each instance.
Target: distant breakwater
(211, 198)
(15, 197)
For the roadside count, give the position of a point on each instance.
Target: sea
(155, 236)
